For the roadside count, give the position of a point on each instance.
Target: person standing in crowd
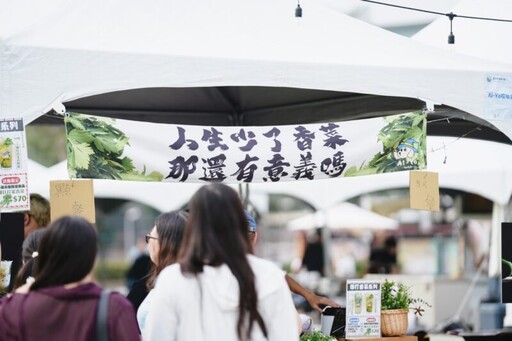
(33, 221)
(218, 290)
(38, 216)
(313, 258)
(383, 259)
(29, 253)
(62, 302)
(316, 302)
(141, 264)
(31, 244)
(164, 243)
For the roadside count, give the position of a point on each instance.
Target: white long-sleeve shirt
(206, 307)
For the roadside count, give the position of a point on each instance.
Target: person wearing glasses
(218, 290)
(164, 243)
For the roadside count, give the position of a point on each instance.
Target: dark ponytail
(67, 252)
(216, 234)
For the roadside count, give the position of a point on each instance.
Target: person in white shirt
(164, 242)
(217, 290)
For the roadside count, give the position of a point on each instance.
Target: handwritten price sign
(424, 190)
(72, 197)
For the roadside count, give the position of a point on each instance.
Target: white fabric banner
(105, 148)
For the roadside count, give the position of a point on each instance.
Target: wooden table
(390, 338)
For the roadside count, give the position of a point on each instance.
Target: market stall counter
(389, 338)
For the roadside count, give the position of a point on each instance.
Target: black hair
(169, 227)
(216, 234)
(67, 252)
(26, 271)
(390, 242)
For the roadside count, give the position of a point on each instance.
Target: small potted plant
(396, 301)
(316, 336)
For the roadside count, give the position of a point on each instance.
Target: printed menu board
(363, 308)
(14, 194)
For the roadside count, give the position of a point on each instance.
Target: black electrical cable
(438, 13)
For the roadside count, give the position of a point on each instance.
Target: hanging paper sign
(363, 308)
(14, 195)
(424, 190)
(105, 148)
(72, 197)
(498, 97)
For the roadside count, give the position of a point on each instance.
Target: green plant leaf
(396, 295)
(153, 176)
(80, 136)
(95, 147)
(316, 336)
(73, 121)
(80, 154)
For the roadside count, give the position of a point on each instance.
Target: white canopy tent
(484, 39)
(343, 216)
(391, 18)
(478, 38)
(80, 49)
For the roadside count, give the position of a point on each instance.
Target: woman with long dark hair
(62, 302)
(218, 290)
(164, 243)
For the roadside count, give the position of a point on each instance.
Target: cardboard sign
(363, 308)
(424, 190)
(72, 197)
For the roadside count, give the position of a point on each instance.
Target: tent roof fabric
(235, 52)
(254, 106)
(478, 38)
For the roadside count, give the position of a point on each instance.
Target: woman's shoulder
(269, 278)
(171, 272)
(264, 266)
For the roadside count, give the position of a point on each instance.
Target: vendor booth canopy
(486, 39)
(229, 62)
(343, 216)
(487, 172)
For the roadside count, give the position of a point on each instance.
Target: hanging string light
(451, 36)
(298, 10)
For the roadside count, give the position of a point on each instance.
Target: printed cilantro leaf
(80, 153)
(95, 147)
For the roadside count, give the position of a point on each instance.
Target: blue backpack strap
(102, 316)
